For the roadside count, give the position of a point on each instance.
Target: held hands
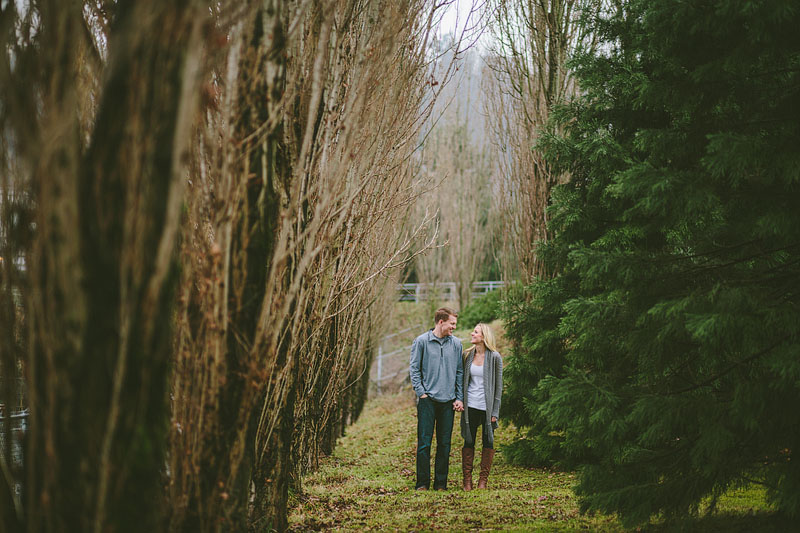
(458, 405)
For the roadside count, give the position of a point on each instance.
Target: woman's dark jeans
(430, 414)
(477, 418)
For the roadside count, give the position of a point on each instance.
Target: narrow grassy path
(368, 484)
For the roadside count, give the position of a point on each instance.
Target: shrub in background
(483, 309)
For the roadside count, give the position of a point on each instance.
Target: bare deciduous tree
(532, 43)
(99, 144)
(459, 165)
(293, 234)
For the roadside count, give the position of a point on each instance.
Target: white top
(477, 398)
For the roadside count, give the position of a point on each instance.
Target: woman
(483, 388)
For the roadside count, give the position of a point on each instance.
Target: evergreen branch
(738, 261)
(731, 368)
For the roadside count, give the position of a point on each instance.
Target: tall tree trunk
(103, 272)
(219, 501)
(272, 475)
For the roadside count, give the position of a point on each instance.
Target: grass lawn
(368, 483)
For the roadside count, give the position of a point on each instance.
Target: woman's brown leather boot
(467, 459)
(487, 456)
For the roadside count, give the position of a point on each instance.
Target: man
(436, 374)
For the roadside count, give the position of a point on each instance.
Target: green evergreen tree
(665, 354)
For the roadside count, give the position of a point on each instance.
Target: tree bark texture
(102, 268)
(213, 450)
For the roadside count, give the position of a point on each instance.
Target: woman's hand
(494, 419)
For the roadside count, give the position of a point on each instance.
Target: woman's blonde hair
(488, 339)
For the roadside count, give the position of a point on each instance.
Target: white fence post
(380, 365)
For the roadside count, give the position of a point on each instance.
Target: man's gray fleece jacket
(436, 367)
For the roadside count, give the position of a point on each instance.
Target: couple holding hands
(447, 379)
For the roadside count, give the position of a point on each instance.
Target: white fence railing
(479, 288)
(446, 291)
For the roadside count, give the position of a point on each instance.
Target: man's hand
(494, 419)
(458, 405)
(423, 396)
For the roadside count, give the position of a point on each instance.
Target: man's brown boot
(467, 459)
(487, 456)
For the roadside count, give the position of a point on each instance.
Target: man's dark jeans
(430, 414)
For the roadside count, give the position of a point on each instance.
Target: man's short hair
(443, 313)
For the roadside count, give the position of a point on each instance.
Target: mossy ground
(368, 484)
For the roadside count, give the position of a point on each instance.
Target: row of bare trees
(203, 205)
(458, 160)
